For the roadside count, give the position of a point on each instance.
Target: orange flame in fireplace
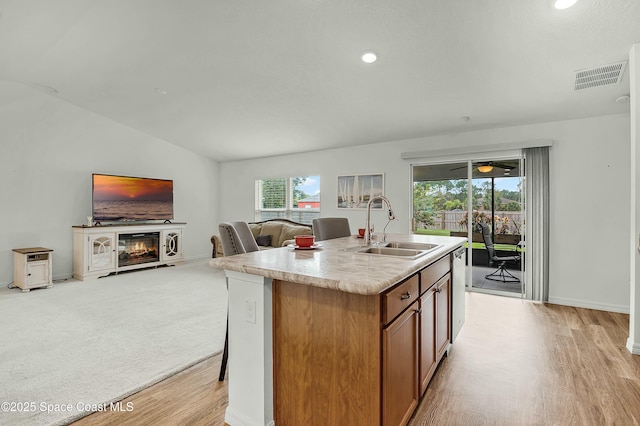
(139, 248)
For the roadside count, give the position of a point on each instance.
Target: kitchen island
(333, 336)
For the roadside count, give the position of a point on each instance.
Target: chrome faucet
(390, 215)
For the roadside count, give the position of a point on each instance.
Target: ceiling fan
(488, 166)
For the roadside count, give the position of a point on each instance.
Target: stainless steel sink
(396, 249)
(414, 246)
(389, 251)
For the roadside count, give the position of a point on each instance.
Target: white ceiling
(253, 78)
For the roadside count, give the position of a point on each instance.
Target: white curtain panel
(537, 234)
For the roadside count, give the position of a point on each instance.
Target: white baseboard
(62, 277)
(589, 305)
(634, 348)
(233, 418)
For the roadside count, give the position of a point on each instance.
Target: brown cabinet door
(400, 368)
(443, 306)
(427, 337)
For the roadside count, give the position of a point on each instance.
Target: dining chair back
(328, 228)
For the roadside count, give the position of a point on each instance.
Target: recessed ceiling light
(369, 57)
(564, 4)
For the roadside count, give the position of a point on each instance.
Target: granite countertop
(332, 267)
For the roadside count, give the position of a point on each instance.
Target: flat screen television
(127, 198)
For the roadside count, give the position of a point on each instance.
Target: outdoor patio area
(480, 282)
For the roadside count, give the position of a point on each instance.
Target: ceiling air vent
(600, 76)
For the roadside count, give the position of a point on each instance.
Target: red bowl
(304, 240)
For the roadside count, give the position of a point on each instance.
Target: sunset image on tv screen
(131, 198)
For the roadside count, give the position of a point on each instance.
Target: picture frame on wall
(354, 191)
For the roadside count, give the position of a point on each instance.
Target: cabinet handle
(405, 296)
(437, 290)
(419, 311)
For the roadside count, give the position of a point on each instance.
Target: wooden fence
(505, 222)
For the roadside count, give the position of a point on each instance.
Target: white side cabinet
(172, 248)
(102, 252)
(107, 249)
(32, 268)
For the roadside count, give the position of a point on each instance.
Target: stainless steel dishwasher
(459, 269)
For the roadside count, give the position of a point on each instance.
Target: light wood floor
(514, 363)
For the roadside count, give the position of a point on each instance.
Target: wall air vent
(600, 76)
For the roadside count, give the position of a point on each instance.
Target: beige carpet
(68, 349)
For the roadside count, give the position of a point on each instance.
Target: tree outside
(298, 193)
(442, 205)
(274, 192)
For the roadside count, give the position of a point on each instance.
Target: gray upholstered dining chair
(327, 228)
(236, 238)
(500, 274)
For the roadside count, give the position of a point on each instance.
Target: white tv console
(107, 249)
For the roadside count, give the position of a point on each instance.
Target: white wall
(633, 343)
(50, 148)
(590, 183)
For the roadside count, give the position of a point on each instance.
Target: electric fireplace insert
(134, 249)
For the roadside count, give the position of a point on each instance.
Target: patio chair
(236, 238)
(500, 274)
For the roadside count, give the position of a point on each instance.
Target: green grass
(475, 245)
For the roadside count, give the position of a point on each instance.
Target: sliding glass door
(440, 199)
(498, 227)
(476, 196)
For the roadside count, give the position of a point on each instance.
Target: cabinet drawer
(396, 300)
(433, 273)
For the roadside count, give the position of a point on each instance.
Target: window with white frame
(294, 198)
